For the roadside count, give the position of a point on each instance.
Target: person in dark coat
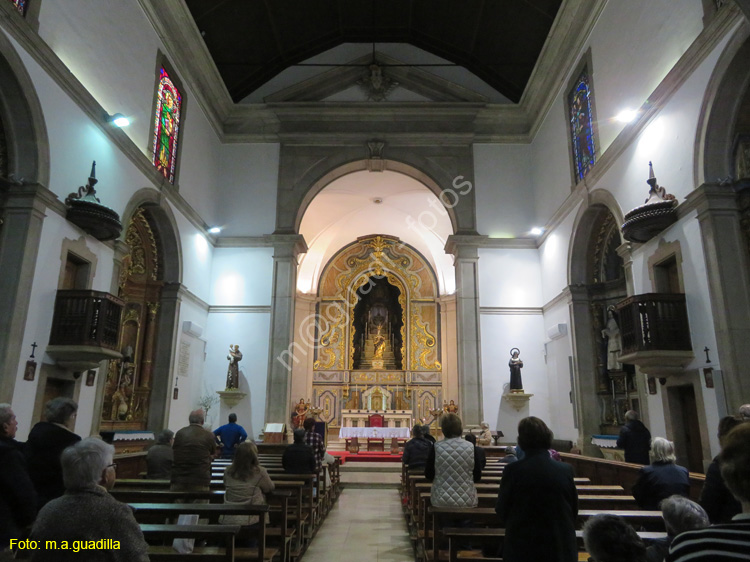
(538, 498)
(480, 457)
(510, 455)
(194, 449)
(47, 440)
(160, 457)
(662, 478)
(17, 495)
(298, 458)
(634, 439)
(716, 499)
(416, 450)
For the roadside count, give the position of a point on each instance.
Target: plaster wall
(502, 174)
(553, 257)
(249, 176)
(241, 277)
(250, 331)
(197, 257)
(39, 320)
(500, 333)
(510, 278)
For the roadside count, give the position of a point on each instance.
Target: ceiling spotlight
(626, 115)
(377, 200)
(119, 120)
(537, 231)
(214, 230)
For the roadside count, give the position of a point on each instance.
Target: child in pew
(246, 482)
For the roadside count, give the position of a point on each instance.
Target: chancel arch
(378, 338)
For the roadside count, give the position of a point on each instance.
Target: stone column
(283, 351)
(585, 369)
(20, 234)
(468, 340)
(725, 253)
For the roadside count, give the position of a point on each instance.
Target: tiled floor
(365, 525)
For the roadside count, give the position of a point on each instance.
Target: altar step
(378, 475)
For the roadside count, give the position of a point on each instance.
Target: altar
(393, 419)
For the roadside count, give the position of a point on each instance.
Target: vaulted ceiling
(252, 41)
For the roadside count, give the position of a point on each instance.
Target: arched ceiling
(252, 41)
(347, 208)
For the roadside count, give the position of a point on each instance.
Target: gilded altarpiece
(378, 324)
(127, 391)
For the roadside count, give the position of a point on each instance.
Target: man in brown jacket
(194, 448)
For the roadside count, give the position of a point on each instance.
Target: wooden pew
(225, 533)
(651, 520)
(213, 512)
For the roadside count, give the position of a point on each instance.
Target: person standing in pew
(662, 478)
(634, 439)
(194, 448)
(719, 502)
(160, 456)
(452, 467)
(416, 450)
(726, 541)
(229, 436)
(315, 441)
(87, 514)
(298, 457)
(608, 538)
(538, 502)
(480, 457)
(246, 482)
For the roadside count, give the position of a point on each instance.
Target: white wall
(250, 174)
(504, 204)
(510, 278)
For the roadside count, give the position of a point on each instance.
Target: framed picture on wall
(90, 377)
(651, 385)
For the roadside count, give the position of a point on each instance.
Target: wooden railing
(654, 321)
(90, 318)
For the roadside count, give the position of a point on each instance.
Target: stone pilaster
(464, 248)
(728, 270)
(282, 351)
(20, 234)
(585, 369)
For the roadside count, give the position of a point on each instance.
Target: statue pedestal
(378, 363)
(231, 397)
(517, 398)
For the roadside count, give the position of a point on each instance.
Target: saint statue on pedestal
(515, 364)
(379, 344)
(233, 373)
(614, 342)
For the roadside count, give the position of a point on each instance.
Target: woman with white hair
(662, 478)
(485, 438)
(87, 514)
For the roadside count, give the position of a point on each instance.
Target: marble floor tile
(365, 525)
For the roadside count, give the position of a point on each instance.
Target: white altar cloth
(379, 432)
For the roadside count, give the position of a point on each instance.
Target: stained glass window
(166, 126)
(581, 126)
(20, 5)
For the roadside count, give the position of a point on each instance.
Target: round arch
(304, 171)
(721, 104)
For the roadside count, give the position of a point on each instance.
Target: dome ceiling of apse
(253, 41)
(348, 208)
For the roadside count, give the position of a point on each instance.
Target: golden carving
(423, 344)
(332, 341)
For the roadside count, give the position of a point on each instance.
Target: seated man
(480, 457)
(416, 450)
(298, 457)
(609, 539)
(229, 436)
(726, 541)
(160, 456)
(87, 512)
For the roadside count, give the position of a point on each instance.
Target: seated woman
(246, 482)
(86, 512)
(662, 478)
(680, 515)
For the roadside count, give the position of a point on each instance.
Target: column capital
(287, 245)
(576, 293)
(712, 198)
(465, 245)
